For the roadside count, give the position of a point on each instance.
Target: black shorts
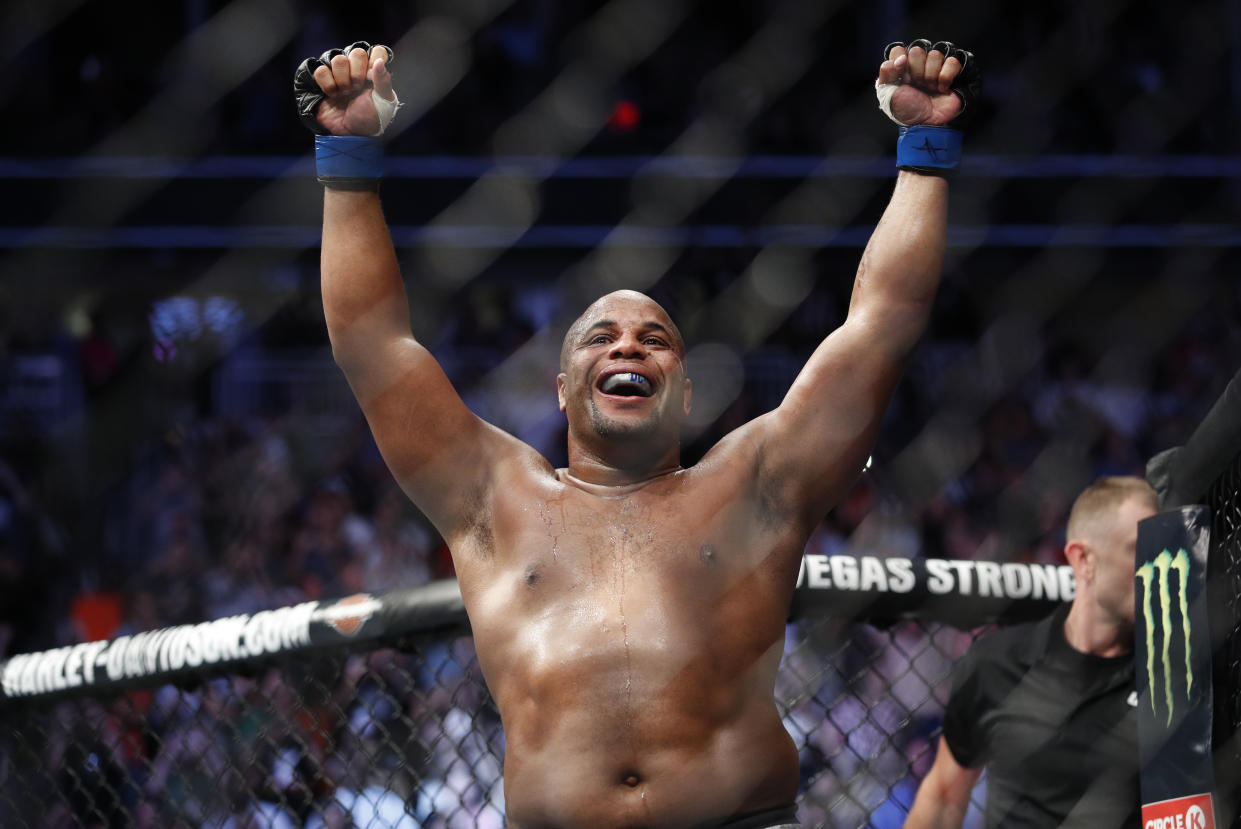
(783, 817)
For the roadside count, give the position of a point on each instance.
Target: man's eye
(598, 339)
(653, 341)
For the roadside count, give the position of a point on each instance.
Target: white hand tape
(386, 109)
(884, 92)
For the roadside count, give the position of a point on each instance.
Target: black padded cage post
(1207, 470)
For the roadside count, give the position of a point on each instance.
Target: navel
(707, 553)
(533, 574)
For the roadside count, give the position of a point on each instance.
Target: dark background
(176, 443)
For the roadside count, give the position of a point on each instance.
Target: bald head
(609, 307)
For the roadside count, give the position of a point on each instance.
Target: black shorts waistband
(781, 816)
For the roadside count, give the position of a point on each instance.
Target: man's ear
(560, 378)
(689, 396)
(1082, 559)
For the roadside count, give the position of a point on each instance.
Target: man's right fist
(329, 91)
(921, 83)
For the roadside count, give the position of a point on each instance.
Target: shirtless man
(628, 613)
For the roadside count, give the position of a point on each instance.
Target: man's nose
(628, 345)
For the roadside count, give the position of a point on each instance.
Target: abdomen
(643, 721)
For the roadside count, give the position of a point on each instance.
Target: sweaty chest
(651, 557)
(582, 544)
(625, 593)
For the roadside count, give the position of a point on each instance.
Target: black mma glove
(346, 162)
(934, 149)
(307, 95)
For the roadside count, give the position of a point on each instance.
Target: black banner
(960, 592)
(185, 653)
(1172, 663)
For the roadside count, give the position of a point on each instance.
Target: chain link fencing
(1224, 499)
(389, 733)
(372, 711)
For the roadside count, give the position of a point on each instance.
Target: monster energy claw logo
(1156, 575)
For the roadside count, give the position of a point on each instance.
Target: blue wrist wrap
(349, 162)
(928, 149)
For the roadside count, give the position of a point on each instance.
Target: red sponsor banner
(1193, 812)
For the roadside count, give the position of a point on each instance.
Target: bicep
(439, 451)
(819, 437)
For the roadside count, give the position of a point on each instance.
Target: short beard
(609, 429)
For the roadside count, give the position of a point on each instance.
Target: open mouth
(626, 384)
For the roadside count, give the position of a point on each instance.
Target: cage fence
(1094, 184)
(397, 728)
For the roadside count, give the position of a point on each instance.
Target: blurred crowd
(137, 493)
(210, 511)
(409, 738)
(384, 739)
(200, 513)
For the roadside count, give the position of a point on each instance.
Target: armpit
(477, 520)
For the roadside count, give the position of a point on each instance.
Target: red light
(625, 116)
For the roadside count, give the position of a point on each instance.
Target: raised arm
(816, 443)
(434, 446)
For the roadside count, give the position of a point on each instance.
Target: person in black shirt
(1049, 709)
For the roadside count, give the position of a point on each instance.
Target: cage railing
(371, 708)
